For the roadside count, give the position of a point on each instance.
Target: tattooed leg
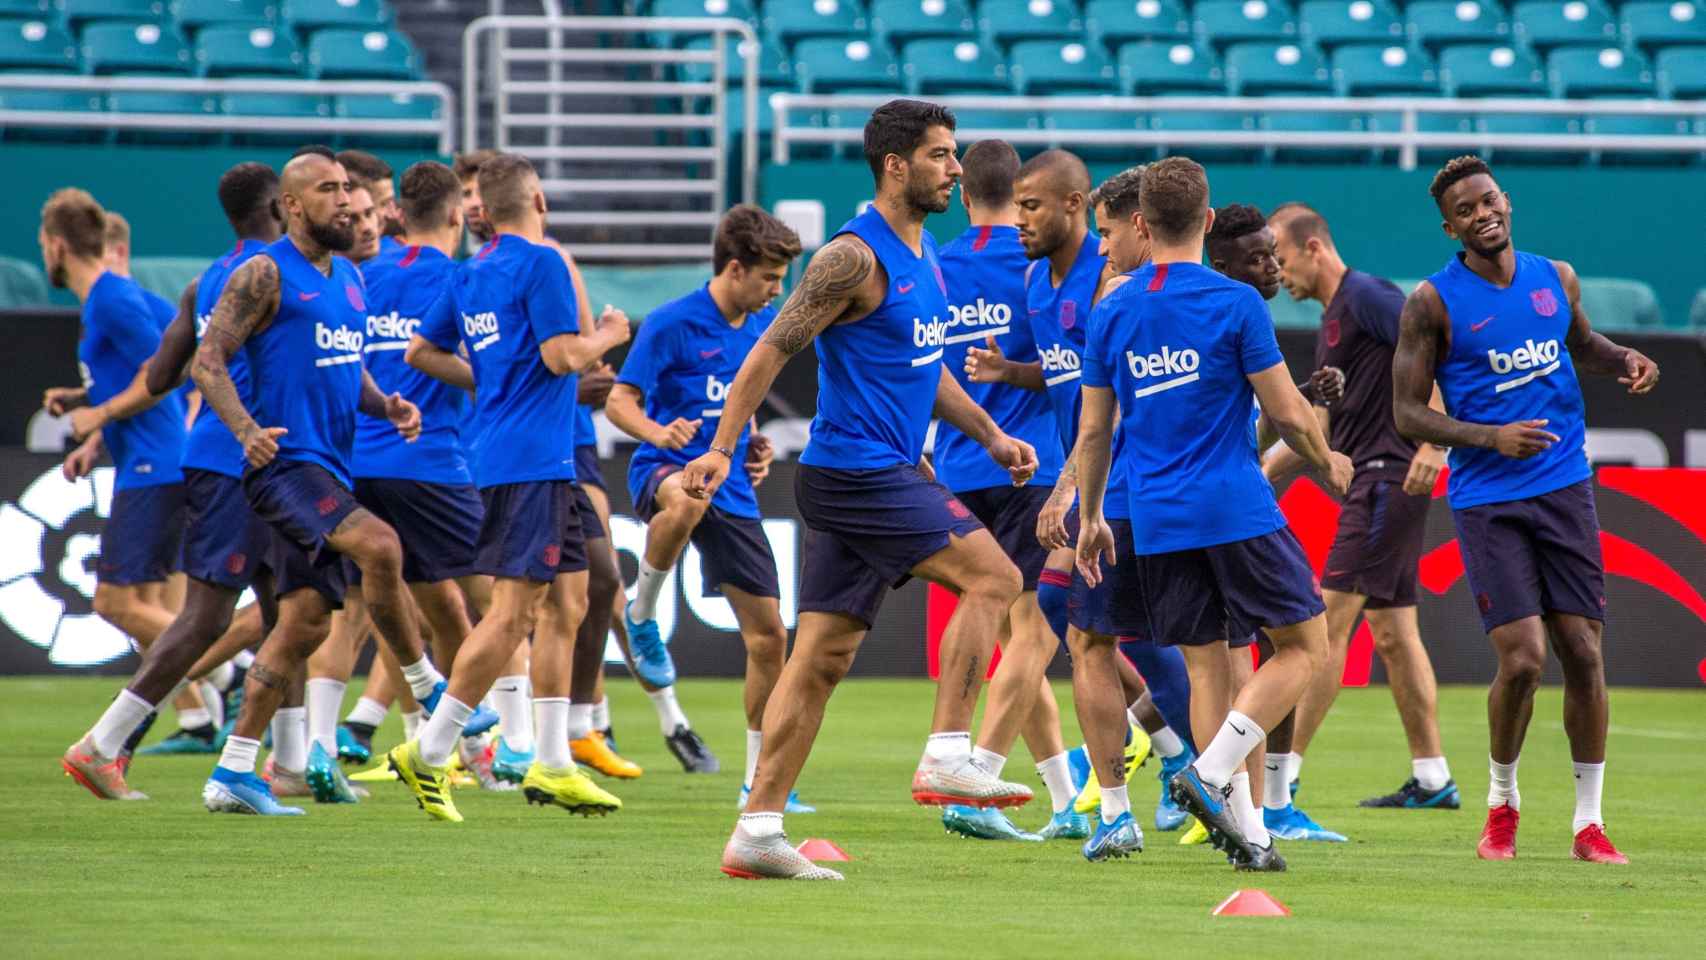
(974, 567)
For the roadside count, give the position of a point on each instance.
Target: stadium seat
(738, 9)
(1115, 22)
(1010, 21)
(76, 12)
(1489, 70)
(27, 9)
(1223, 22)
(1649, 24)
(181, 103)
(307, 15)
(899, 21)
(1187, 122)
(1333, 23)
(969, 123)
(360, 54)
(1533, 123)
(22, 284)
(1378, 70)
(226, 51)
(1288, 121)
(133, 48)
(397, 106)
(1152, 69)
(774, 67)
(1626, 125)
(166, 276)
(1681, 73)
(1257, 69)
(1616, 302)
(195, 14)
(1544, 24)
(791, 21)
(35, 45)
(932, 66)
(1599, 72)
(833, 65)
(1437, 23)
(735, 109)
(271, 105)
(1045, 66)
(1072, 124)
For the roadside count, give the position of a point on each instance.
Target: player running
(1502, 332)
(874, 301)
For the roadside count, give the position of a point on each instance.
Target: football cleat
(287, 783)
(476, 755)
(378, 774)
(1593, 846)
(1137, 750)
(200, 740)
(769, 858)
(793, 805)
(355, 742)
(610, 738)
(1413, 796)
(694, 755)
(1498, 837)
(964, 781)
(101, 776)
(481, 720)
(568, 788)
(983, 824)
(1210, 805)
(227, 791)
(1249, 857)
(326, 780)
(1293, 824)
(430, 785)
(1197, 834)
(652, 661)
(596, 753)
(1078, 763)
(1119, 839)
(509, 765)
(1066, 824)
(1168, 814)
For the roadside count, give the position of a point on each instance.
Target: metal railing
(1407, 140)
(443, 127)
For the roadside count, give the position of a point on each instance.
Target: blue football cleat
(651, 658)
(1066, 824)
(325, 779)
(983, 823)
(509, 765)
(794, 804)
(1078, 762)
(1210, 805)
(228, 791)
(1413, 796)
(184, 741)
(355, 743)
(1168, 814)
(1293, 824)
(1122, 838)
(483, 718)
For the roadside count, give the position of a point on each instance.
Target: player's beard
(336, 234)
(925, 197)
(56, 275)
(481, 229)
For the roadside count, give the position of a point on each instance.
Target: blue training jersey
(1508, 362)
(403, 284)
(120, 332)
(586, 432)
(877, 376)
(210, 445)
(1178, 343)
(985, 271)
(306, 364)
(683, 360)
(502, 304)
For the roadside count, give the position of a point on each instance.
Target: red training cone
(814, 848)
(1251, 903)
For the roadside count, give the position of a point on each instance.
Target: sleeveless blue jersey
(306, 364)
(985, 270)
(210, 445)
(877, 376)
(403, 283)
(1508, 362)
(120, 332)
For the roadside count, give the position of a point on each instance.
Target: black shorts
(302, 503)
(1227, 591)
(531, 530)
(1114, 607)
(224, 543)
(733, 550)
(1010, 515)
(1379, 542)
(588, 471)
(139, 543)
(1536, 556)
(437, 523)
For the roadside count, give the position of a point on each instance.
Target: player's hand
(701, 478)
(1643, 372)
(1019, 457)
(1095, 543)
(986, 364)
(1424, 470)
(60, 400)
(260, 444)
(614, 325)
(759, 454)
(405, 416)
(678, 434)
(927, 469)
(1329, 384)
(86, 420)
(1523, 439)
(1051, 520)
(595, 384)
(79, 462)
(1340, 470)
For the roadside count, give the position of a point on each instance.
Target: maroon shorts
(1379, 542)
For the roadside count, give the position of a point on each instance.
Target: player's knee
(379, 553)
(999, 581)
(1578, 647)
(603, 583)
(767, 643)
(1522, 666)
(829, 667)
(113, 604)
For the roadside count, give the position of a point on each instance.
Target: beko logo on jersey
(202, 322)
(1540, 359)
(1060, 364)
(715, 391)
(987, 319)
(391, 326)
(932, 334)
(481, 328)
(342, 339)
(1180, 365)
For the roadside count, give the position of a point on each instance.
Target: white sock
(1294, 768)
(290, 739)
(515, 711)
(222, 675)
(754, 743)
(194, 719)
(421, 677)
(1166, 743)
(1057, 777)
(325, 696)
(580, 721)
(243, 660)
(646, 590)
(1249, 815)
(239, 754)
(1431, 772)
(1590, 778)
(1131, 717)
(669, 711)
(1276, 783)
(761, 825)
(1238, 736)
(601, 714)
(1501, 785)
(551, 723)
(1114, 802)
(367, 710)
(947, 747)
(992, 761)
(438, 737)
(118, 722)
(412, 723)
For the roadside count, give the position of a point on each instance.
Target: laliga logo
(715, 390)
(1526, 357)
(932, 334)
(341, 339)
(982, 314)
(392, 326)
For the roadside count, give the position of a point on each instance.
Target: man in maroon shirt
(1371, 568)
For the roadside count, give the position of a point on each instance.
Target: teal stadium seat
(1048, 66)
(271, 105)
(1071, 124)
(1544, 24)
(22, 284)
(1187, 122)
(1010, 21)
(35, 46)
(27, 9)
(195, 14)
(1681, 73)
(1439, 23)
(1258, 69)
(1224, 22)
(1490, 70)
(1599, 72)
(133, 48)
(1148, 69)
(1384, 70)
(774, 67)
(735, 110)
(737, 9)
(833, 65)
(226, 51)
(1116, 22)
(793, 20)
(306, 15)
(396, 106)
(360, 55)
(1536, 123)
(1334, 23)
(77, 12)
(973, 125)
(1619, 304)
(899, 21)
(967, 66)
(1650, 24)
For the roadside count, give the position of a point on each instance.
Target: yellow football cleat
(430, 785)
(594, 751)
(1136, 755)
(1090, 798)
(1195, 835)
(568, 788)
(379, 774)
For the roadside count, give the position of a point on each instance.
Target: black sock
(135, 739)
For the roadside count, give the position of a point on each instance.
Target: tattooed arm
(248, 303)
(1594, 353)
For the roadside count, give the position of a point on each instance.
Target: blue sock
(1163, 669)
(1054, 589)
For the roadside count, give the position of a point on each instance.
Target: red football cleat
(1593, 846)
(1498, 837)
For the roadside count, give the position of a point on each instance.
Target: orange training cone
(817, 849)
(1251, 903)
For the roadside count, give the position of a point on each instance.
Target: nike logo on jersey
(1476, 327)
(305, 296)
(708, 354)
(904, 288)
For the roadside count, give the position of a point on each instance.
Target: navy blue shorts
(588, 471)
(1227, 591)
(301, 502)
(733, 550)
(1378, 544)
(1536, 556)
(438, 524)
(139, 543)
(225, 544)
(1113, 608)
(591, 527)
(531, 530)
(1010, 515)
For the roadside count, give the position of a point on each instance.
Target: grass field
(165, 878)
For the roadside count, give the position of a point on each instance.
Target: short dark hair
(750, 236)
(467, 165)
(1066, 168)
(1233, 221)
(315, 150)
(363, 167)
(990, 168)
(1175, 198)
(1120, 193)
(503, 187)
(245, 189)
(898, 127)
(1455, 169)
(1300, 222)
(430, 190)
(74, 216)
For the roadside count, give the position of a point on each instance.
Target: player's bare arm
(954, 406)
(379, 405)
(1295, 419)
(1592, 352)
(248, 303)
(438, 364)
(568, 353)
(1051, 519)
(1094, 450)
(1282, 462)
(170, 365)
(626, 409)
(61, 400)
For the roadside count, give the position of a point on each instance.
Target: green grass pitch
(80, 877)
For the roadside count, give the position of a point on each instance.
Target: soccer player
(1502, 333)
(670, 396)
(298, 311)
(374, 175)
(874, 301)
(366, 245)
(513, 309)
(1187, 350)
(1371, 568)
